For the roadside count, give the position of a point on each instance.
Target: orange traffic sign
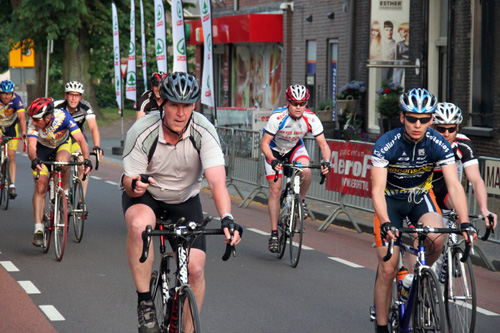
(19, 58)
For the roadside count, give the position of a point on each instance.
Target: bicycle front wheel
(460, 293)
(189, 317)
(48, 226)
(159, 300)
(282, 229)
(296, 230)
(428, 312)
(4, 191)
(60, 224)
(79, 209)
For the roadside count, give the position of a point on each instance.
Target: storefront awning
(251, 28)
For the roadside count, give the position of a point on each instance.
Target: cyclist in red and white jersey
(282, 142)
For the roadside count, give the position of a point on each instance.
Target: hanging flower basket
(347, 105)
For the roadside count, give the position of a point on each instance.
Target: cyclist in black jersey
(446, 121)
(81, 111)
(403, 161)
(151, 100)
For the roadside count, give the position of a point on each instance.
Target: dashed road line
(260, 232)
(110, 182)
(486, 312)
(9, 266)
(29, 287)
(95, 177)
(345, 262)
(51, 313)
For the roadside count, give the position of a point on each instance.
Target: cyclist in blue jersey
(282, 141)
(49, 132)
(12, 119)
(403, 161)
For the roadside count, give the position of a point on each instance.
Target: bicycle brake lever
(229, 248)
(146, 240)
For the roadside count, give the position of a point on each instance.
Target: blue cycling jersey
(410, 164)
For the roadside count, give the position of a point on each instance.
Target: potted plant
(388, 106)
(324, 110)
(349, 95)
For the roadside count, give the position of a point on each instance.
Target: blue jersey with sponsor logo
(57, 132)
(8, 113)
(410, 165)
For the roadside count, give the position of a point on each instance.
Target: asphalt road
(91, 289)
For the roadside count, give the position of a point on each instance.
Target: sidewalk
(111, 137)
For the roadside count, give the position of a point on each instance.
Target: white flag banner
(180, 61)
(131, 78)
(160, 38)
(207, 96)
(116, 57)
(143, 43)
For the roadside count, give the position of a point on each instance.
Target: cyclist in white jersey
(282, 141)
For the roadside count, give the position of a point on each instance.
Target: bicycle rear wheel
(297, 230)
(428, 313)
(79, 209)
(4, 190)
(60, 224)
(460, 293)
(159, 300)
(282, 229)
(189, 317)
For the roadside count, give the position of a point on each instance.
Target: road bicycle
(5, 180)
(55, 219)
(423, 311)
(458, 278)
(79, 211)
(176, 307)
(291, 217)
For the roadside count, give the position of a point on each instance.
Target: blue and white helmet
(7, 86)
(418, 100)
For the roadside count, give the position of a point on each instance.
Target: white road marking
(110, 182)
(94, 177)
(486, 312)
(9, 266)
(345, 262)
(307, 248)
(51, 313)
(29, 287)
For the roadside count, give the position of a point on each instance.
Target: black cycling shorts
(190, 209)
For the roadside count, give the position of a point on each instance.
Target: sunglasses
(413, 120)
(450, 130)
(295, 103)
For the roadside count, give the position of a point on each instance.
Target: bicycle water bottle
(406, 286)
(402, 273)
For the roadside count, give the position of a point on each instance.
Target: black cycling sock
(274, 232)
(144, 297)
(382, 329)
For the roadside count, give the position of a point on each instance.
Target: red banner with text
(350, 173)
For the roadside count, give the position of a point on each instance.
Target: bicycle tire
(155, 286)
(282, 229)
(296, 231)
(5, 184)
(47, 224)
(60, 224)
(429, 314)
(460, 293)
(79, 209)
(189, 316)
(394, 314)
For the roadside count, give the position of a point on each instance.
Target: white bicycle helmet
(297, 92)
(74, 86)
(418, 100)
(447, 114)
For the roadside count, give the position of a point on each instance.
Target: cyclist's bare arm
(379, 182)
(326, 153)
(22, 122)
(78, 136)
(474, 176)
(94, 129)
(32, 142)
(216, 178)
(136, 185)
(265, 146)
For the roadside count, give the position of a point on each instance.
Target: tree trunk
(76, 64)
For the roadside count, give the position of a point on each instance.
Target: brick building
(324, 44)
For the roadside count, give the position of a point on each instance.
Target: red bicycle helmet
(297, 92)
(157, 77)
(40, 107)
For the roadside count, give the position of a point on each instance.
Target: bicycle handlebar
(297, 165)
(428, 230)
(58, 163)
(184, 230)
(489, 230)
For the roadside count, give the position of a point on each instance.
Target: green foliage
(323, 105)
(388, 101)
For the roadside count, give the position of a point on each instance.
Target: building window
(311, 71)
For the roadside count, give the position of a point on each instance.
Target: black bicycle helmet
(180, 87)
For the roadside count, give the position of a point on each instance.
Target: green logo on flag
(204, 10)
(208, 82)
(209, 41)
(180, 47)
(179, 9)
(117, 54)
(117, 81)
(160, 46)
(131, 48)
(159, 14)
(115, 28)
(131, 79)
